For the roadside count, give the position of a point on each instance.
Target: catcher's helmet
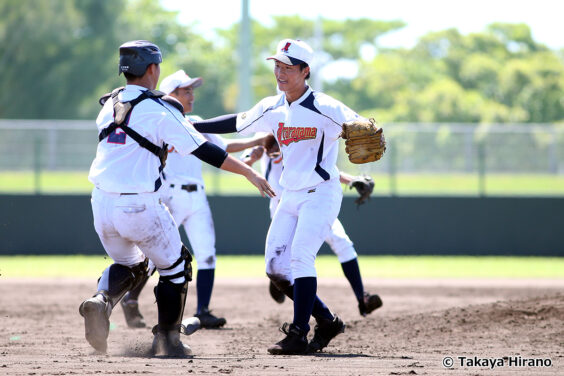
(137, 55)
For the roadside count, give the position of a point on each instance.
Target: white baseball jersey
(188, 169)
(306, 131)
(121, 165)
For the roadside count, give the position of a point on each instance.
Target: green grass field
(403, 184)
(327, 266)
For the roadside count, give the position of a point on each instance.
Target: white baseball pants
(338, 240)
(192, 210)
(300, 225)
(132, 226)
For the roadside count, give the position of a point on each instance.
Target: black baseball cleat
(96, 313)
(295, 342)
(324, 332)
(369, 304)
(133, 317)
(276, 294)
(209, 321)
(167, 344)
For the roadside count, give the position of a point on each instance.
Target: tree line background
(58, 57)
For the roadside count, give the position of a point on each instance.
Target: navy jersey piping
(278, 104)
(323, 173)
(308, 103)
(268, 169)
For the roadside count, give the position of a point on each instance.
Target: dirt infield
(487, 327)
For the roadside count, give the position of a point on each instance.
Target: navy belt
(188, 187)
(127, 194)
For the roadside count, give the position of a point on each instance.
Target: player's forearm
(220, 124)
(211, 154)
(236, 166)
(253, 155)
(345, 178)
(248, 160)
(234, 146)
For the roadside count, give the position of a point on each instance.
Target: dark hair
(304, 66)
(130, 76)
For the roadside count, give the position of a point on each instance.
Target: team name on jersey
(287, 135)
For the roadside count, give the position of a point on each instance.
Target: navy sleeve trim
(219, 124)
(308, 103)
(211, 154)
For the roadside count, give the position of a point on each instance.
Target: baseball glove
(364, 141)
(364, 185)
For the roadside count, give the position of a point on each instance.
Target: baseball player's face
(290, 78)
(186, 96)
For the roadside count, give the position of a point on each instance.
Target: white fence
(68, 145)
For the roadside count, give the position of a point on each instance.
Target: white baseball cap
(293, 52)
(179, 79)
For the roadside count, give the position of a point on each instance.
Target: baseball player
(307, 125)
(271, 166)
(135, 125)
(186, 199)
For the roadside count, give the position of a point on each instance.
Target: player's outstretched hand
(234, 165)
(258, 181)
(256, 153)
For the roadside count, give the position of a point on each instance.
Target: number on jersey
(117, 137)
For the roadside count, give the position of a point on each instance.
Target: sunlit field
(327, 266)
(401, 184)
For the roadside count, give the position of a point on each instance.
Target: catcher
(338, 240)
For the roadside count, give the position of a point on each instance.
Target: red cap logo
(285, 49)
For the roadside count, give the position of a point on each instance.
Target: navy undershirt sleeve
(219, 124)
(210, 153)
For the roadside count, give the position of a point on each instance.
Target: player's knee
(345, 253)
(303, 266)
(276, 267)
(180, 271)
(339, 244)
(206, 262)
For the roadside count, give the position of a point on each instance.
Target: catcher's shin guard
(141, 274)
(171, 299)
(117, 279)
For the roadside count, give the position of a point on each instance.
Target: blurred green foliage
(59, 56)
